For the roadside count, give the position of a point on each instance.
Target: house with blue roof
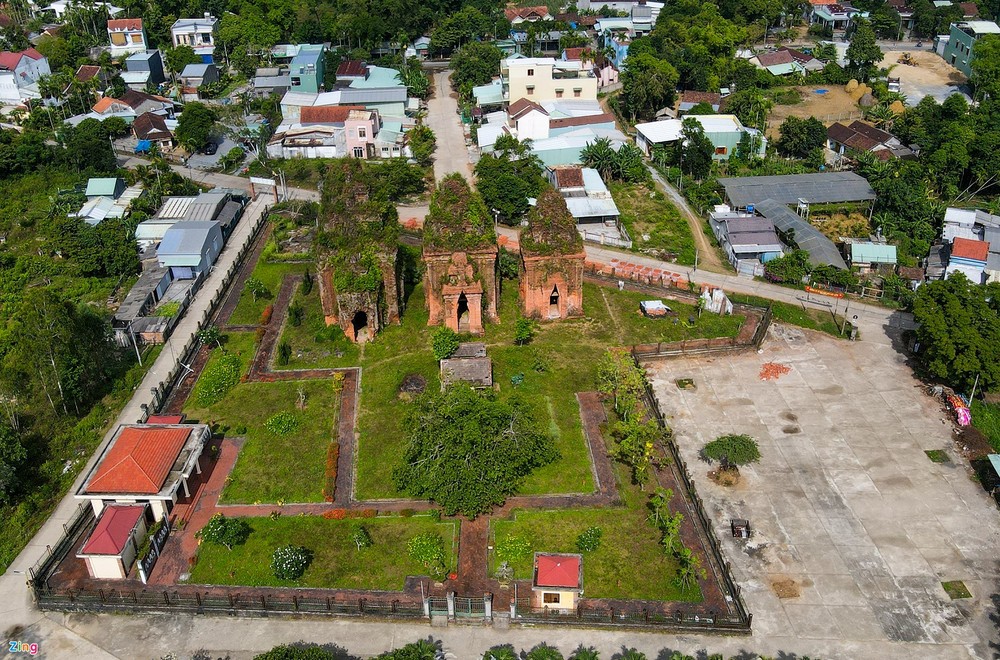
(189, 249)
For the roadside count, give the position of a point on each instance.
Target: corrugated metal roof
(174, 207)
(373, 95)
(103, 186)
(206, 206)
(186, 238)
(872, 253)
(589, 207)
(821, 249)
(787, 189)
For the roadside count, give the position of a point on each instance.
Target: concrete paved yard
(854, 527)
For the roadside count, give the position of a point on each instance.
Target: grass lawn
(813, 319)
(248, 310)
(956, 590)
(336, 564)
(628, 542)
(635, 328)
(646, 211)
(986, 418)
(314, 344)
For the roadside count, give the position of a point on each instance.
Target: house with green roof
(868, 256)
(111, 187)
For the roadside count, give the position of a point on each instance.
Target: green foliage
(524, 331)
(457, 218)
(424, 649)
(543, 652)
(428, 549)
(444, 342)
(218, 378)
(256, 288)
(589, 540)
(986, 66)
(194, 125)
(635, 442)
(508, 178)
(799, 137)
(631, 654)
(179, 57)
(468, 451)
(298, 652)
(363, 274)
(12, 457)
(422, 144)
(732, 450)
(696, 150)
(307, 283)
(474, 64)
(648, 84)
(661, 518)
(585, 653)
(512, 548)
(289, 562)
(959, 332)
(282, 423)
(295, 315)
(863, 54)
(221, 530)
(210, 335)
(618, 375)
(626, 164)
(789, 268)
(361, 536)
(501, 652)
(510, 265)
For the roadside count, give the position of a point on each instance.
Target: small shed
(111, 548)
(867, 256)
(558, 580)
(469, 364)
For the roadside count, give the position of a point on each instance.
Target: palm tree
(881, 115)
(601, 156)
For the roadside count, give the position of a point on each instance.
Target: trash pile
(773, 371)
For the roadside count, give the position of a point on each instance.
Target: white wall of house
(533, 125)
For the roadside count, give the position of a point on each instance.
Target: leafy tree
(289, 562)
(524, 331)
(221, 530)
(428, 549)
(543, 652)
(501, 652)
(799, 137)
(510, 265)
(12, 457)
(424, 649)
(618, 375)
(474, 64)
(194, 125)
(630, 654)
(959, 332)
(507, 177)
(635, 443)
(422, 144)
(180, 57)
(863, 54)
(696, 160)
(87, 147)
(648, 84)
(986, 66)
(585, 653)
(732, 450)
(210, 335)
(468, 451)
(689, 568)
(789, 268)
(284, 353)
(256, 288)
(361, 537)
(301, 652)
(601, 156)
(444, 342)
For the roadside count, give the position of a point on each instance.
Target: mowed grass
(646, 211)
(629, 563)
(337, 563)
(248, 310)
(986, 418)
(636, 328)
(812, 319)
(314, 344)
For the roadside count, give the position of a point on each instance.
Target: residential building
(60, 7)
(529, 120)
(422, 47)
(152, 128)
(133, 103)
(690, 98)
(388, 102)
(545, 78)
(189, 249)
(557, 581)
(93, 74)
(198, 33)
(868, 256)
(617, 41)
(518, 15)
(146, 463)
(271, 80)
(830, 15)
(587, 197)
(127, 35)
(330, 132)
(724, 131)
(206, 206)
(961, 45)
(349, 70)
(107, 198)
(621, 5)
(112, 187)
(307, 68)
(19, 75)
(194, 76)
(969, 258)
(142, 69)
(777, 63)
(566, 149)
(805, 60)
(112, 546)
(748, 240)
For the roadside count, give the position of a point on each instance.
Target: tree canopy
(863, 54)
(648, 84)
(986, 66)
(194, 126)
(468, 451)
(799, 137)
(508, 177)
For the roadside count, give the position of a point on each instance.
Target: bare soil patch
(785, 587)
(834, 105)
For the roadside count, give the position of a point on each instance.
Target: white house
(198, 33)
(724, 131)
(19, 74)
(127, 36)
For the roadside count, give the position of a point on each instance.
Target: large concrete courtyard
(854, 526)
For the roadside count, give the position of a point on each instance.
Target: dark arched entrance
(463, 313)
(360, 326)
(554, 302)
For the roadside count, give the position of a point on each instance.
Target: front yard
(645, 211)
(337, 563)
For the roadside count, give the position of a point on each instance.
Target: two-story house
(127, 36)
(545, 79)
(307, 68)
(962, 43)
(19, 74)
(198, 33)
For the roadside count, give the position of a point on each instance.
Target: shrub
(444, 342)
(335, 514)
(543, 652)
(732, 450)
(258, 335)
(512, 548)
(290, 562)
(406, 513)
(524, 331)
(332, 456)
(221, 530)
(265, 316)
(589, 540)
(284, 353)
(256, 288)
(307, 283)
(219, 378)
(361, 537)
(369, 513)
(428, 549)
(295, 314)
(282, 423)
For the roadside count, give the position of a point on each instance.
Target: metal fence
(79, 524)
(623, 241)
(676, 621)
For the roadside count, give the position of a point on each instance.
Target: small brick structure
(461, 282)
(552, 259)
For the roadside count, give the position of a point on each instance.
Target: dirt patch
(832, 106)
(791, 429)
(726, 478)
(931, 77)
(785, 587)
(836, 225)
(789, 416)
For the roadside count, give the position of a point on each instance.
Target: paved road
(452, 154)
(708, 256)
(219, 180)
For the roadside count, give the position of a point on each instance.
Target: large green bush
(220, 377)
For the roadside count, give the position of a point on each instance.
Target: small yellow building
(558, 580)
(111, 548)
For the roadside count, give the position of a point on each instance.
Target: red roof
(87, 72)
(575, 54)
(327, 114)
(164, 419)
(569, 176)
(139, 460)
(965, 248)
(351, 68)
(9, 60)
(113, 529)
(125, 24)
(586, 120)
(562, 571)
(523, 106)
(540, 11)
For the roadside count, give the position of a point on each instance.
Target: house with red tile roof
(146, 463)
(111, 548)
(518, 15)
(127, 36)
(558, 580)
(19, 74)
(968, 257)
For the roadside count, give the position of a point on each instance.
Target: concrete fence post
(451, 604)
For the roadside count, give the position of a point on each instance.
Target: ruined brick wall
(327, 295)
(541, 275)
(449, 275)
(349, 305)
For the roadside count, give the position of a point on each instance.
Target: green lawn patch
(272, 468)
(646, 211)
(314, 344)
(336, 563)
(956, 589)
(248, 310)
(629, 563)
(937, 455)
(813, 319)
(168, 309)
(986, 418)
(636, 328)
